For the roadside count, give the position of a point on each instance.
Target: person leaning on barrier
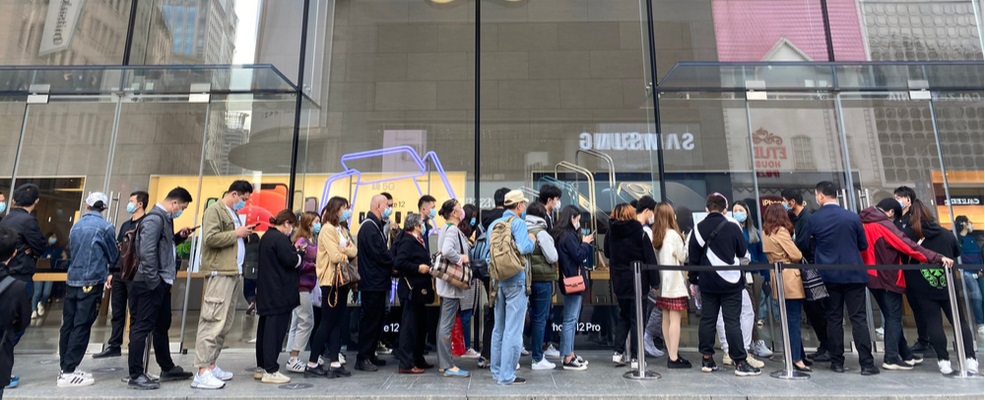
(929, 287)
(415, 289)
(779, 247)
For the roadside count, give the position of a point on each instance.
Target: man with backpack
(481, 252)
(15, 315)
(509, 243)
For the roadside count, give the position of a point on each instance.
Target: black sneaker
(310, 372)
(919, 347)
(574, 365)
(366, 365)
(898, 365)
(518, 381)
(339, 372)
(743, 368)
(679, 363)
(175, 374)
(708, 365)
(378, 362)
(143, 383)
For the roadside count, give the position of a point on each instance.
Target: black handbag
(814, 288)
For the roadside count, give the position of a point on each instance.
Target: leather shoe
(175, 374)
(366, 365)
(143, 382)
(414, 371)
(378, 362)
(838, 368)
(108, 352)
(821, 356)
(870, 370)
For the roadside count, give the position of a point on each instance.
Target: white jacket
(673, 284)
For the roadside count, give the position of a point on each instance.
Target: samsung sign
(634, 141)
(59, 26)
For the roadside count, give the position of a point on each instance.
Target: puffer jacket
(625, 244)
(543, 261)
(886, 246)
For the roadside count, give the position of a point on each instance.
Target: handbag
(574, 284)
(347, 272)
(458, 275)
(423, 295)
(814, 288)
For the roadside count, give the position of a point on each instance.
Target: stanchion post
(787, 373)
(956, 317)
(640, 373)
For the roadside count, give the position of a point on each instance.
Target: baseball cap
(97, 201)
(514, 197)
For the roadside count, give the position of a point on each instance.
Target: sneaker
(759, 349)
(552, 352)
(524, 352)
(221, 375)
(727, 361)
(207, 381)
(708, 365)
(581, 360)
(881, 332)
(456, 373)
(483, 363)
(518, 381)
(744, 369)
(296, 366)
(258, 373)
(517, 366)
(275, 378)
(75, 379)
(754, 362)
(945, 367)
(618, 358)
(635, 364)
(472, 354)
(14, 382)
(383, 350)
(971, 365)
(341, 359)
(679, 363)
(651, 348)
(34, 315)
(897, 366)
(760, 322)
(542, 365)
(40, 309)
(914, 361)
(573, 365)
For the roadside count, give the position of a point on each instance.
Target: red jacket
(886, 245)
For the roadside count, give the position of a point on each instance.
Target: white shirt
(240, 243)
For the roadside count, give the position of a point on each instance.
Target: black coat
(375, 261)
(626, 243)
(408, 255)
(29, 238)
(277, 274)
(571, 255)
(15, 315)
(931, 283)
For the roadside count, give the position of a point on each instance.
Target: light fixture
(441, 1)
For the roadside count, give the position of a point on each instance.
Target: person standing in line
(391, 227)
(669, 243)
(302, 320)
(840, 239)
(453, 246)
(335, 248)
(426, 206)
(223, 255)
(470, 302)
(543, 269)
(119, 289)
(573, 250)
(415, 290)
(744, 213)
(779, 247)
(56, 256)
(653, 336)
(15, 313)
(93, 251)
(816, 310)
(971, 253)
(277, 281)
(375, 270)
(550, 197)
(906, 222)
(150, 292)
(487, 217)
(31, 241)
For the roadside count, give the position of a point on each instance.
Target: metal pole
(787, 373)
(956, 323)
(195, 249)
(640, 373)
(298, 107)
(759, 215)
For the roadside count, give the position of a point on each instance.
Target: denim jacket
(94, 249)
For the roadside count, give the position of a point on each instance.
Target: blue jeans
(572, 309)
(540, 301)
(42, 291)
(974, 287)
(767, 298)
(466, 316)
(891, 305)
(794, 309)
(507, 335)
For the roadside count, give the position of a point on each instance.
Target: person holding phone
(277, 279)
(302, 322)
(572, 252)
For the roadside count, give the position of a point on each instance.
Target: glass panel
(925, 30)
(63, 32)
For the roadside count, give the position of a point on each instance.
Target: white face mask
(576, 225)
(652, 219)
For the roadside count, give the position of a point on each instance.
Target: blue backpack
(479, 255)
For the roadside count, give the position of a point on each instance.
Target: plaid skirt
(673, 304)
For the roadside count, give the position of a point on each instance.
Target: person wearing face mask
(470, 301)
(543, 268)
(150, 291)
(909, 224)
(573, 249)
(653, 338)
(278, 274)
(796, 207)
(119, 289)
(426, 206)
(971, 253)
(415, 289)
(392, 228)
(15, 313)
(223, 254)
(3, 205)
(760, 295)
(550, 197)
(302, 318)
(454, 246)
(375, 271)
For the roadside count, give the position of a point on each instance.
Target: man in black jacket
(16, 311)
(718, 242)
(816, 310)
(150, 291)
(30, 241)
(375, 270)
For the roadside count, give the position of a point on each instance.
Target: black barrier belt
(830, 267)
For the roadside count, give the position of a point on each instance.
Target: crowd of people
(521, 254)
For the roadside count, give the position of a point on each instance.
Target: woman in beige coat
(779, 247)
(669, 243)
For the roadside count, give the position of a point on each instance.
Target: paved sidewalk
(602, 380)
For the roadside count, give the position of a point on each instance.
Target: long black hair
(563, 224)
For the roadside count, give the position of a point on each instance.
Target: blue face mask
(472, 221)
(586, 231)
(900, 203)
(387, 212)
(177, 214)
(131, 208)
(433, 213)
(787, 207)
(316, 228)
(239, 205)
(739, 216)
(346, 215)
(3, 206)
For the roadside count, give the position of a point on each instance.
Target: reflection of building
(234, 134)
(203, 31)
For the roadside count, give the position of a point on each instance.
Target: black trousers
(118, 296)
(413, 335)
(730, 306)
(327, 339)
(489, 320)
(78, 316)
(271, 330)
(932, 310)
(150, 311)
(371, 323)
(919, 317)
(626, 326)
(848, 298)
(817, 314)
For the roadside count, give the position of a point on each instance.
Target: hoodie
(626, 243)
(887, 245)
(932, 283)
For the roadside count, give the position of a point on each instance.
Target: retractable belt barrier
(788, 372)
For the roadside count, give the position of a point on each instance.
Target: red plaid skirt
(674, 304)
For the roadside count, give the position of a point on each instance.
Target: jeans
(974, 287)
(42, 292)
(449, 313)
(572, 309)
(793, 326)
(150, 311)
(848, 298)
(729, 306)
(77, 318)
(119, 295)
(891, 305)
(540, 301)
(507, 336)
(466, 316)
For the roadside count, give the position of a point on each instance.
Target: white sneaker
(543, 365)
(40, 309)
(524, 352)
(754, 362)
(945, 367)
(759, 349)
(881, 332)
(34, 315)
(726, 360)
(221, 375)
(207, 381)
(552, 352)
(971, 365)
(296, 365)
(276, 378)
(650, 348)
(75, 379)
(517, 366)
(252, 341)
(635, 364)
(472, 354)
(618, 358)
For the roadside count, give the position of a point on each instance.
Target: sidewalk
(602, 380)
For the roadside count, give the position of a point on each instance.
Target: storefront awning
(830, 77)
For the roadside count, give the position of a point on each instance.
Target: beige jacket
(779, 247)
(219, 241)
(329, 256)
